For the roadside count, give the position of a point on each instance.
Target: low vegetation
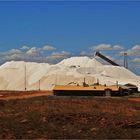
(135, 95)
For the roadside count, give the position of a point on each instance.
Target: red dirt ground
(28, 94)
(23, 94)
(134, 99)
(53, 117)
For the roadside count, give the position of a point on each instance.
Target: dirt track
(134, 99)
(7, 95)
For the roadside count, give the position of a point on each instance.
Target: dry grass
(69, 117)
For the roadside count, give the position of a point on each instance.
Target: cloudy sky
(50, 31)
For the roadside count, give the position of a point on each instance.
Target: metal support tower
(125, 60)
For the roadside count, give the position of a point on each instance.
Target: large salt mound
(80, 61)
(68, 71)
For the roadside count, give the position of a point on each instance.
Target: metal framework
(106, 59)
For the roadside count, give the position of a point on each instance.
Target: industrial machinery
(111, 61)
(106, 59)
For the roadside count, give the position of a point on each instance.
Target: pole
(117, 83)
(25, 77)
(97, 81)
(125, 60)
(39, 85)
(84, 80)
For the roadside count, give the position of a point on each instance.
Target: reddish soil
(51, 117)
(134, 99)
(23, 94)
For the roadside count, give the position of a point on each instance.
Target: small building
(96, 90)
(133, 88)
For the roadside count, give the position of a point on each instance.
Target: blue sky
(69, 27)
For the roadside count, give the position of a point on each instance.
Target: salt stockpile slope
(110, 74)
(107, 74)
(68, 71)
(80, 61)
(12, 75)
(65, 73)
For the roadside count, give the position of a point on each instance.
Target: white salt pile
(33, 76)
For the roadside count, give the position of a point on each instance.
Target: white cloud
(117, 47)
(13, 57)
(42, 55)
(136, 47)
(11, 54)
(65, 53)
(134, 51)
(34, 51)
(48, 48)
(107, 47)
(136, 60)
(25, 47)
(14, 51)
(122, 52)
(60, 54)
(56, 57)
(29, 54)
(102, 47)
(130, 52)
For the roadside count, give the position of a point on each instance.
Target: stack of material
(16, 75)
